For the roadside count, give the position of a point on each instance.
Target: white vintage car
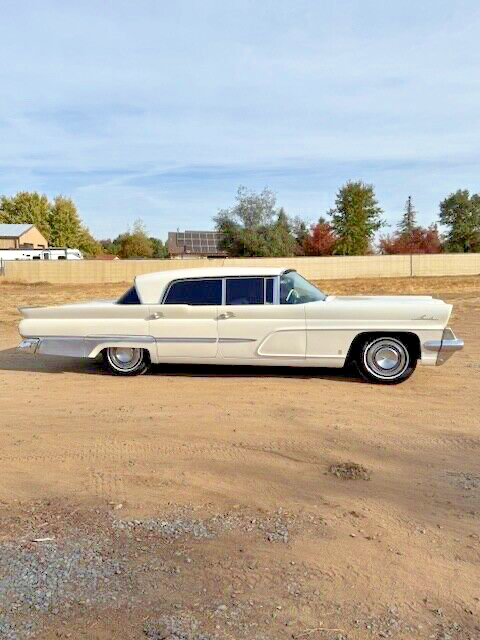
(257, 316)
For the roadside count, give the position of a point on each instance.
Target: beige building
(21, 236)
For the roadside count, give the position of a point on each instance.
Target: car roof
(150, 286)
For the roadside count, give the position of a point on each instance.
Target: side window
(269, 291)
(129, 297)
(195, 292)
(245, 291)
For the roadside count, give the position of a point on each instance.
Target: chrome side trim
(235, 340)
(187, 340)
(122, 338)
(445, 347)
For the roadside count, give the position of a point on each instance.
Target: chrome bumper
(445, 347)
(29, 345)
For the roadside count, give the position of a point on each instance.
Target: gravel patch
(167, 529)
(464, 480)
(174, 628)
(349, 471)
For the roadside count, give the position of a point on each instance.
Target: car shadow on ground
(12, 360)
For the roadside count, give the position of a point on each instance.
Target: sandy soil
(282, 548)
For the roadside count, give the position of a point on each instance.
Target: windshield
(296, 290)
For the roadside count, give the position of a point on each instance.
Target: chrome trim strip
(187, 340)
(235, 340)
(122, 338)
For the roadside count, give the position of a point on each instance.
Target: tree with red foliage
(419, 240)
(321, 240)
(410, 238)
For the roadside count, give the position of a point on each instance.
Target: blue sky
(159, 110)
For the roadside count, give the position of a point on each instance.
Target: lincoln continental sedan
(245, 316)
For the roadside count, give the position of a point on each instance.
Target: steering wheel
(293, 293)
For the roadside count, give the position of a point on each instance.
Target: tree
(58, 221)
(67, 230)
(160, 249)
(134, 243)
(355, 218)
(253, 227)
(280, 238)
(321, 240)
(419, 240)
(27, 208)
(300, 232)
(460, 212)
(409, 219)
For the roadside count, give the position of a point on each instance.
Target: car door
(185, 324)
(252, 326)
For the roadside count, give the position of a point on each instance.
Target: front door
(185, 324)
(252, 326)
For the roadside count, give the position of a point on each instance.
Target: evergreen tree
(460, 212)
(409, 219)
(355, 218)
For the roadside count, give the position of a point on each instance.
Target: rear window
(195, 292)
(129, 297)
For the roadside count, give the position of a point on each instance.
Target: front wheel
(386, 360)
(126, 361)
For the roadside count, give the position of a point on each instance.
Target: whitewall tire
(386, 359)
(126, 361)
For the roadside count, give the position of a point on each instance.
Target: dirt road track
(256, 445)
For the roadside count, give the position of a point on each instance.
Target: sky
(160, 110)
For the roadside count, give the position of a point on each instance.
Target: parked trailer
(52, 253)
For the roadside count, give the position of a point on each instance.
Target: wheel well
(411, 340)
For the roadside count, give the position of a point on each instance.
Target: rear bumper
(445, 347)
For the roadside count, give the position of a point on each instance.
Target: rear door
(185, 324)
(251, 325)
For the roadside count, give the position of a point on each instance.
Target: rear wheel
(386, 360)
(126, 361)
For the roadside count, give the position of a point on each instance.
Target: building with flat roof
(195, 244)
(21, 236)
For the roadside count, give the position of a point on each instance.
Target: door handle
(226, 315)
(156, 316)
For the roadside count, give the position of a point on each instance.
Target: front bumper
(445, 347)
(29, 345)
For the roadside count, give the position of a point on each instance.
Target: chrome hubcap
(124, 358)
(386, 358)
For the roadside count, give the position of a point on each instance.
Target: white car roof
(150, 286)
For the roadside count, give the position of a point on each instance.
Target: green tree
(134, 243)
(300, 230)
(409, 219)
(253, 226)
(67, 230)
(159, 248)
(355, 218)
(27, 208)
(460, 212)
(280, 238)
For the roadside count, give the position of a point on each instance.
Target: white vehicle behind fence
(52, 253)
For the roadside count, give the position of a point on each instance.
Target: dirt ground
(197, 502)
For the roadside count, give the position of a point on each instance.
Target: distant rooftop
(14, 230)
(195, 243)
